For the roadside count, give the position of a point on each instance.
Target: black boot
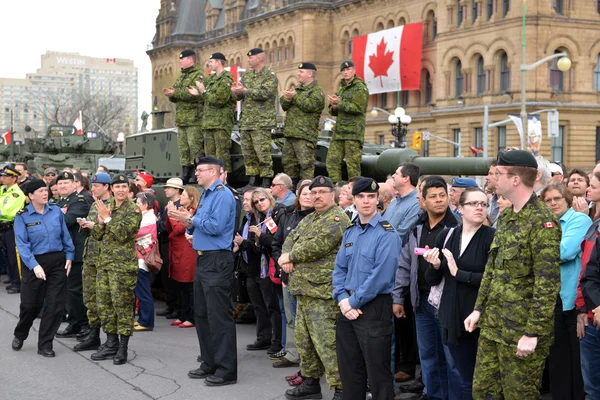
(253, 181)
(266, 182)
(309, 389)
(108, 348)
(295, 183)
(337, 395)
(121, 356)
(185, 174)
(91, 342)
(192, 177)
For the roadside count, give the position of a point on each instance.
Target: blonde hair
(194, 195)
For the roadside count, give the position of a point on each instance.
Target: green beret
(365, 185)
(255, 51)
(187, 53)
(307, 66)
(218, 56)
(321, 181)
(64, 176)
(346, 64)
(120, 178)
(517, 158)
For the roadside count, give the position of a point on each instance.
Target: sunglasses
(255, 202)
(50, 174)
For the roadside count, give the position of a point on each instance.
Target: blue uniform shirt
(366, 262)
(214, 221)
(37, 234)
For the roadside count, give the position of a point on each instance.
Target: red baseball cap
(146, 177)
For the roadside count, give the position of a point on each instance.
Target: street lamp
(120, 140)
(398, 117)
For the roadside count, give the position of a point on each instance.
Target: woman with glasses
(458, 260)
(566, 381)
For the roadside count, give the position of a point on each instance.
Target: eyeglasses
(553, 199)
(320, 192)
(255, 202)
(50, 174)
(276, 184)
(202, 170)
(481, 204)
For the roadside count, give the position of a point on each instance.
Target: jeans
(144, 295)
(464, 354)
(590, 362)
(440, 375)
(279, 291)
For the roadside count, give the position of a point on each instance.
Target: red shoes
(176, 322)
(186, 324)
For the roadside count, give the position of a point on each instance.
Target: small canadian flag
(271, 225)
(6, 136)
(548, 224)
(111, 60)
(78, 124)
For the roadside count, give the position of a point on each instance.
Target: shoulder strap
(448, 236)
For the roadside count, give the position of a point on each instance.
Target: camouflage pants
(315, 339)
(299, 158)
(116, 299)
(217, 143)
(190, 141)
(500, 374)
(89, 276)
(256, 147)
(338, 149)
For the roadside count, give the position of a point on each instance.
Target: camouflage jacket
(259, 108)
(219, 103)
(188, 109)
(116, 247)
(313, 247)
(304, 112)
(76, 207)
(351, 111)
(91, 253)
(522, 276)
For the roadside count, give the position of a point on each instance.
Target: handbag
(151, 258)
(239, 291)
(273, 272)
(435, 294)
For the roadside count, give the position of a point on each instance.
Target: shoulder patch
(386, 225)
(349, 244)
(21, 211)
(219, 187)
(548, 224)
(336, 218)
(137, 210)
(15, 194)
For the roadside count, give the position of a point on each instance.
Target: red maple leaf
(381, 61)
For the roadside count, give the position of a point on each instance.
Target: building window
(556, 148)
(350, 47)
(558, 6)
(480, 77)
(490, 9)
(557, 77)
(505, 7)
(404, 98)
(504, 73)
(428, 88)
(293, 52)
(597, 73)
(383, 100)
(501, 138)
(479, 140)
(473, 11)
(459, 78)
(286, 53)
(456, 139)
(459, 16)
(278, 55)
(425, 146)
(382, 140)
(434, 28)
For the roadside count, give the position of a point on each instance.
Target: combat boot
(91, 342)
(253, 181)
(266, 182)
(108, 348)
(121, 356)
(185, 174)
(337, 395)
(309, 389)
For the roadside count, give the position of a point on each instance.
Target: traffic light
(417, 141)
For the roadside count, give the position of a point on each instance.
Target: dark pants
(12, 267)
(36, 293)
(406, 354)
(590, 361)
(364, 350)
(75, 308)
(215, 325)
(266, 307)
(464, 354)
(185, 291)
(144, 295)
(566, 380)
(168, 284)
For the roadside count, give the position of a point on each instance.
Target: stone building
(471, 58)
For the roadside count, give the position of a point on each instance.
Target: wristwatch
(190, 220)
(107, 220)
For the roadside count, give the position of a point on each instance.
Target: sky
(95, 28)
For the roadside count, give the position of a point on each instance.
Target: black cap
(187, 53)
(10, 171)
(255, 51)
(120, 178)
(218, 56)
(346, 64)
(34, 185)
(365, 185)
(63, 176)
(517, 158)
(321, 181)
(304, 65)
(208, 161)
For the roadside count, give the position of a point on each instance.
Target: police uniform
(212, 230)
(517, 296)
(12, 200)
(43, 240)
(76, 207)
(364, 274)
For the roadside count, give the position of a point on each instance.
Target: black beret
(321, 181)
(255, 51)
(63, 176)
(307, 66)
(120, 178)
(10, 171)
(187, 53)
(34, 185)
(218, 56)
(208, 161)
(346, 64)
(365, 185)
(517, 158)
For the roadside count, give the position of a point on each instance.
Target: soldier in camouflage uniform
(519, 288)
(117, 225)
(258, 89)
(188, 113)
(219, 108)
(303, 105)
(308, 255)
(349, 105)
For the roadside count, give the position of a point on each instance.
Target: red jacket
(182, 258)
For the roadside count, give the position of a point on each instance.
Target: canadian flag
(390, 60)
(78, 124)
(271, 225)
(6, 136)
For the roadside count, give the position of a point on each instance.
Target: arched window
(557, 77)
(379, 27)
(458, 79)
(459, 17)
(431, 25)
(505, 7)
(473, 11)
(504, 73)
(480, 77)
(490, 9)
(597, 74)
(428, 88)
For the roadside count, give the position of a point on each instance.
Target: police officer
(47, 251)
(519, 288)
(212, 227)
(188, 113)
(258, 89)
(363, 280)
(73, 206)
(219, 108)
(303, 105)
(349, 105)
(308, 255)
(12, 200)
(91, 260)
